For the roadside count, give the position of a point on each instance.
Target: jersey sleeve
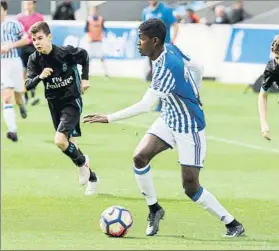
(19, 30)
(162, 81)
(268, 79)
(79, 56)
(33, 72)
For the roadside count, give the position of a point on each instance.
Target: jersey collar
(161, 55)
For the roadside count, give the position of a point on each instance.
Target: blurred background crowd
(207, 12)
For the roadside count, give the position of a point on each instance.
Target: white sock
(145, 184)
(211, 204)
(105, 69)
(9, 117)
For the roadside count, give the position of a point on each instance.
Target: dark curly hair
(154, 27)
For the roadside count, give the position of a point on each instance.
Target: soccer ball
(115, 221)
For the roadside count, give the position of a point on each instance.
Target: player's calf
(75, 154)
(21, 103)
(213, 206)
(198, 194)
(9, 114)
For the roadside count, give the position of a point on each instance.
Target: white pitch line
(238, 143)
(217, 139)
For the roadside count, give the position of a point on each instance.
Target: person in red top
(27, 18)
(95, 31)
(190, 17)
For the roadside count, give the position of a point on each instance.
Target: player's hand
(6, 48)
(46, 73)
(265, 131)
(95, 118)
(84, 85)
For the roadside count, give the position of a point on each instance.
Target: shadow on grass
(223, 240)
(104, 195)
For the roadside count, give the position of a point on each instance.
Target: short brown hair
(40, 26)
(275, 45)
(4, 5)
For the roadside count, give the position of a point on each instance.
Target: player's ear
(155, 41)
(50, 37)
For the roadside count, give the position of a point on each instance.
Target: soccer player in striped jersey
(27, 18)
(176, 81)
(12, 83)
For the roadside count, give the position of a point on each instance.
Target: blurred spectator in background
(165, 13)
(221, 15)
(64, 11)
(27, 18)
(95, 29)
(190, 17)
(155, 9)
(237, 13)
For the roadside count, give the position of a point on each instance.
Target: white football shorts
(191, 147)
(12, 74)
(96, 49)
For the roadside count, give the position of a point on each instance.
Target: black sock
(21, 106)
(75, 154)
(93, 176)
(26, 96)
(154, 208)
(233, 223)
(32, 93)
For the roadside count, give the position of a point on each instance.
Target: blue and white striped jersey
(172, 78)
(11, 31)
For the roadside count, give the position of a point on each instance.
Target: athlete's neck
(157, 53)
(27, 13)
(48, 51)
(3, 19)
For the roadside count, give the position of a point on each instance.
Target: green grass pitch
(43, 206)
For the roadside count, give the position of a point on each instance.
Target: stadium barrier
(247, 53)
(231, 54)
(119, 46)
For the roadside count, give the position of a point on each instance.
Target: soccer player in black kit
(56, 67)
(270, 78)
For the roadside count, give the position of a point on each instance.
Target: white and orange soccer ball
(116, 221)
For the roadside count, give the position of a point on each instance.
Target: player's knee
(18, 98)
(7, 97)
(61, 142)
(141, 160)
(191, 186)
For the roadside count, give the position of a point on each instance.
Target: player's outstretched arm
(262, 101)
(262, 106)
(20, 43)
(143, 106)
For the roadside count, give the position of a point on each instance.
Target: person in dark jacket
(64, 11)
